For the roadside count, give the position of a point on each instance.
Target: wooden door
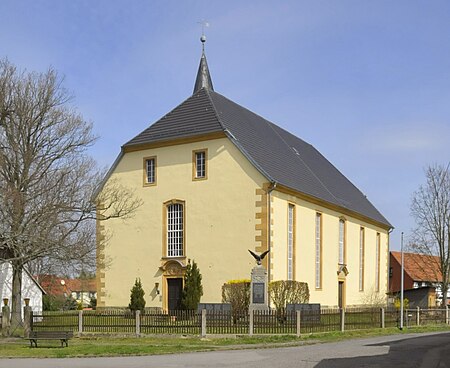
(175, 288)
(341, 294)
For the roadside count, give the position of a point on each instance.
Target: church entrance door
(175, 287)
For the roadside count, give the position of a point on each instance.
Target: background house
(81, 290)
(420, 272)
(30, 287)
(216, 179)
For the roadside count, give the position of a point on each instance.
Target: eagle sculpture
(260, 257)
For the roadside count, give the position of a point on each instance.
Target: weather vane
(204, 24)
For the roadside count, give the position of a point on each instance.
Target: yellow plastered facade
(305, 246)
(221, 222)
(225, 214)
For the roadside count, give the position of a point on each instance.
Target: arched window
(377, 263)
(361, 259)
(318, 255)
(341, 259)
(175, 228)
(290, 241)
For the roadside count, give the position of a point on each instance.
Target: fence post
(382, 318)
(250, 324)
(6, 322)
(446, 315)
(80, 322)
(138, 322)
(418, 316)
(299, 315)
(342, 313)
(203, 322)
(27, 320)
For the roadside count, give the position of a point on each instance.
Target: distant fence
(156, 321)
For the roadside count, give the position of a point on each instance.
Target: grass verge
(115, 346)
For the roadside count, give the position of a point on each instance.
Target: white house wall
(29, 288)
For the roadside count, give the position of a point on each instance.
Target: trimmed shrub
(237, 293)
(288, 292)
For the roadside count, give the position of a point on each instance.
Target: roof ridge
(216, 114)
(196, 94)
(234, 140)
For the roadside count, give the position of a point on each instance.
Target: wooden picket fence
(156, 321)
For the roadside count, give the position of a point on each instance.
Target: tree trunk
(444, 294)
(16, 300)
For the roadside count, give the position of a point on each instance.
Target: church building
(216, 179)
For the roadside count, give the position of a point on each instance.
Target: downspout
(269, 231)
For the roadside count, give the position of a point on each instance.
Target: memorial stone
(258, 290)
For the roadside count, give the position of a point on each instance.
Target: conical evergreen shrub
(193, 289)
(137, 301)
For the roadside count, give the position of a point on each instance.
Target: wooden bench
(63, 336)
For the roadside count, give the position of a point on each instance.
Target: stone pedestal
(6, 320)
(258, 289)
(27, 321)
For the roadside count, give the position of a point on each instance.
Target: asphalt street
(415, 350)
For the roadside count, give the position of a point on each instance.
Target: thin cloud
(408, 138)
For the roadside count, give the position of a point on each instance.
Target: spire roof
(203, 79)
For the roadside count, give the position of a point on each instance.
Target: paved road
(415, 351)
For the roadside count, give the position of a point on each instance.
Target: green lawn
(115, 346)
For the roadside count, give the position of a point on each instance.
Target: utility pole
(401, 286)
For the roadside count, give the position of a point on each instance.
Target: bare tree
(431, 210)
(373, 299)
(47, 179)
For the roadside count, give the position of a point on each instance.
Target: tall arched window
(318, 251)
(291, 241)
(377, 263)
(341, 259)
(175, 229)
(361, 259)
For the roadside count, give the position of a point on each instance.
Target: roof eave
(107, 175)
(346, 211)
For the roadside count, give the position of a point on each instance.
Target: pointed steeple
(203, 79)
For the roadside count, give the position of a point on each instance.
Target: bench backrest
(51, 334)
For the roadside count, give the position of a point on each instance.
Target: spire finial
(203, 79)
(204, 24)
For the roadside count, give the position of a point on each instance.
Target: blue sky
(366, 82)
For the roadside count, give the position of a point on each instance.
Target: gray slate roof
(279, 155)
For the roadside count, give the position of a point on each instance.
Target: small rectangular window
(318, 253)
(150, 171)
(199, 164)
